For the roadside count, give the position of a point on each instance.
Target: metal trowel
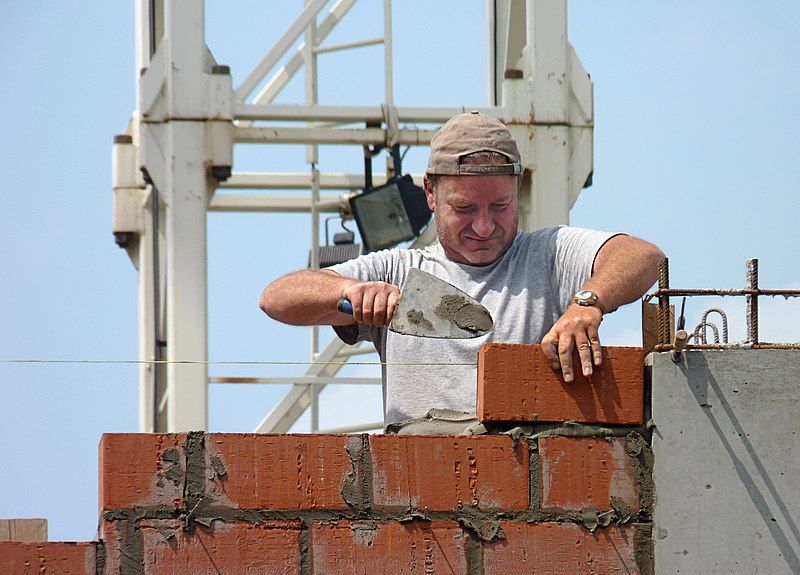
(430, 307)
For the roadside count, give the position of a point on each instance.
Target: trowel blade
(430, 307)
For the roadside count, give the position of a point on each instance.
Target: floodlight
(343, 249)
(389, 214)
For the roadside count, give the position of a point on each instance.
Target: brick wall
(549, 498)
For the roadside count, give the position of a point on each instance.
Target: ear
(430, 195)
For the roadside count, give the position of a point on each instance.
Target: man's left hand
(577, 328)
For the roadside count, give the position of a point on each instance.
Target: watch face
(585, 297)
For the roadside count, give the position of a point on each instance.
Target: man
(550, 286)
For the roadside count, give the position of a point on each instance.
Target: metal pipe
(387, 52)
(741, 345)
(681, 337)
(354, 428)
(725, 292)
(348, 46)
(300, 380)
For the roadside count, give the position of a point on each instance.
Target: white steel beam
(185, 192)
(352, 114)
(357, 137)
(186, 198)
(348, 46)
(301, 181)
(547, 101)
(300, 380)
(277, 51)
(283, 204)
(284, 74)
(147, 322)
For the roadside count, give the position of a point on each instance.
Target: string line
(212, 362)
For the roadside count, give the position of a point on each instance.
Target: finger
(391, 305)
(597, 348)
(379, 310)
(565, 346)
(585, 353)
(367, 308)
(550, 349)
(355, 301)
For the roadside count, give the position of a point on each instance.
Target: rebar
(663, 302)
(704, 321)
(752, 301)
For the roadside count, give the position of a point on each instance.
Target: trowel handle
(345, 306)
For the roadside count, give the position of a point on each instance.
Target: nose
(483, 225)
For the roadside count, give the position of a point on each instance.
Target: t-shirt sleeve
(574, 251)
(376, 266)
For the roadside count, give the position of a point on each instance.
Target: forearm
(624, 269)
(306, 297)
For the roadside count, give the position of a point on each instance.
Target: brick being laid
(517, 384)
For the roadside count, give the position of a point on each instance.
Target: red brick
(369, 547)
(142, 469)
(18, 558)
(581, 472)
(439, 473)
(268, 547)
(516, 383)
(560, 549)
(270, 471)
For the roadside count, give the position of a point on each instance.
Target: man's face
(476, 216)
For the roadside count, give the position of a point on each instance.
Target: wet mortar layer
(131, 560)
(100, 558)
(643, 550)
(195, 473)
(474, 556)
(306, 560)
(416, 317)
(463, 313)
(534, 477)
(356, 490)
(642, 455)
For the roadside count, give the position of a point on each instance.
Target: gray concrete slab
(727, 462)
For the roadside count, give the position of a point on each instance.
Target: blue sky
(696, 141)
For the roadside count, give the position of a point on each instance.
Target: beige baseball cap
(469, 133)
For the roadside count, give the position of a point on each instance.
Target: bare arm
(309, 297)
(624, 268)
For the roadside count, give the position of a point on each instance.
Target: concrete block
(727, 462)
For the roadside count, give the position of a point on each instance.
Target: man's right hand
(373, 302)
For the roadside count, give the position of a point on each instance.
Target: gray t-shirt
(525, 291)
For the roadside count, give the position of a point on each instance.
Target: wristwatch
(588, 298)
